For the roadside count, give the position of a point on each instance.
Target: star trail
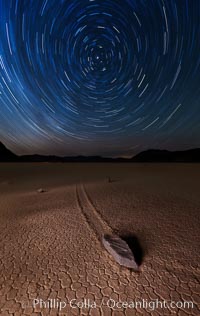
(99, 77)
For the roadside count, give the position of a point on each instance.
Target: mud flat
(52, 261)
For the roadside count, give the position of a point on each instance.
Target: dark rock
(41, 190)
(120, 251)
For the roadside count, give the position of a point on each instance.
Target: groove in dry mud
(93, 218)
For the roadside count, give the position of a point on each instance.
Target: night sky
(111, 77)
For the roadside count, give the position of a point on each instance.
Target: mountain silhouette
(6, 155)
(152, 155)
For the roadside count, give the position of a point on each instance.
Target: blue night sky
(111, 77)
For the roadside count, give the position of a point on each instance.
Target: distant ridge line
(151, 155)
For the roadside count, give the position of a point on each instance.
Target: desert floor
(51, 253)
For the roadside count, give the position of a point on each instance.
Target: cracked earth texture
(50, 246)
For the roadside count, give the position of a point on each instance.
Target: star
(99, 77)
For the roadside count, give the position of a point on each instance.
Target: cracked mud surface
(50, 243)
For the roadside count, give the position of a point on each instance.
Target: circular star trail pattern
(120, 73)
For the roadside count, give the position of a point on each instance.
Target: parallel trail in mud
(90, 213)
